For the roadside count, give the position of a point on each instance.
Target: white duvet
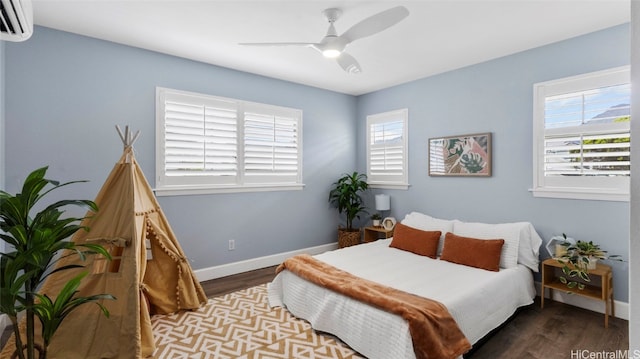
(477, 299)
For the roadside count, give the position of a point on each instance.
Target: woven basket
(348, 238)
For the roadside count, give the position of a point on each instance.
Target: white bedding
(477, 299)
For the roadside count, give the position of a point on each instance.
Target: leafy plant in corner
(345, 196)
(575, 262)
(36, 242)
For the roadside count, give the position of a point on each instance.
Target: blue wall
(497, 97)
(65, 94)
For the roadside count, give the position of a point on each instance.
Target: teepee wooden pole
(127, 140)
(135, 137)
(124, 141)
(126, 137)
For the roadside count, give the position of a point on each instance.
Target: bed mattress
(477, 299)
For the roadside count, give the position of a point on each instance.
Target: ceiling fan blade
(308, 44)
(376, 23)
(348, 63)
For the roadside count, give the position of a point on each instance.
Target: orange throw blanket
(434, 332)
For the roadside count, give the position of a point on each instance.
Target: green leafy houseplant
(376, 218)
(346, 197)
(35, 243)
(575, 262)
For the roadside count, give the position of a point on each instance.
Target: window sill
(580, 193)
(403, 186)
(199, 190)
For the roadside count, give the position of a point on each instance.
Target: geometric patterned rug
(241, 325)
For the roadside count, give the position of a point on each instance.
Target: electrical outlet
(232, 244)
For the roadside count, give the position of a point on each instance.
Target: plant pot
(348, 237)
(592, 263)
(376, 222)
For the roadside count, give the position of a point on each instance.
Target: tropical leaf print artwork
(460, 155)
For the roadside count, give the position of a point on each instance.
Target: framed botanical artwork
(466, 155)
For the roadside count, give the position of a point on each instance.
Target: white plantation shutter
(605, 154)
(387, 149)
(582, 136)
(206, 142)
(200, 138)
(271, 146)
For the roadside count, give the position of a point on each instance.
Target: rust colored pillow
(424, 243)
(479, 253)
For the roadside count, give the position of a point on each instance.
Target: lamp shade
(383, 202)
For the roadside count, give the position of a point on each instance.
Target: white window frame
(614, 188)
(400, 181)
(242, 180)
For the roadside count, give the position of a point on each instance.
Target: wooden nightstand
(374, 233)
(603, 292)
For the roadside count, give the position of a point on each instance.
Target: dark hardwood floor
(230, 284)
(554, 332)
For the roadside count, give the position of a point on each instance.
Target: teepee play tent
(148, 273)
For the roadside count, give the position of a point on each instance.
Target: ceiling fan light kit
(331, 53)
(333, 46)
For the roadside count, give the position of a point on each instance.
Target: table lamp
(383, 202)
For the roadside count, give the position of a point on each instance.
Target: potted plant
(345, 196)
(578, 259)
(35, 242)
(376, 218)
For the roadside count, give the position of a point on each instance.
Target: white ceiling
(438, 35)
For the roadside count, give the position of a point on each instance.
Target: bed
(479, 300)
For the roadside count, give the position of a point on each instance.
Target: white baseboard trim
(256, 263)
(621, 308)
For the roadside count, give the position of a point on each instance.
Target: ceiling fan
(333, 46)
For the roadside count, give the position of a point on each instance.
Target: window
(102, 265)
(582, 136)
(207, 144)
(387, 145)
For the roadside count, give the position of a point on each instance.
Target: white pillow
(510, 232)
(427, 223)
(529, 250)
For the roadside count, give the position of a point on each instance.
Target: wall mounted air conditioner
(16, 20)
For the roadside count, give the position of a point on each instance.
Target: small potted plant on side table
(376, 218)
(578, 259)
